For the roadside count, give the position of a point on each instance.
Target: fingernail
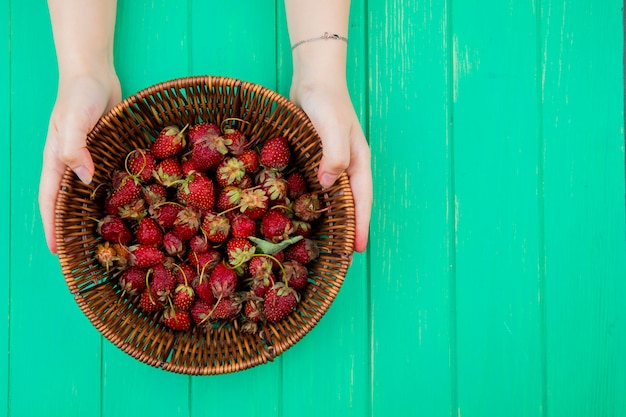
(326, 180)
(83, 174)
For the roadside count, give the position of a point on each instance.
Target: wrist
(321, 62)
(99, 66)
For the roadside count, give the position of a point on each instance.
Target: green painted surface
(496, 272)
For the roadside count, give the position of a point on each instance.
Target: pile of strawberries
(208, 226)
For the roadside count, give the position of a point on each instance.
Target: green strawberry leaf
(270, 248)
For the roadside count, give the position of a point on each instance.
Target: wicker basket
(134, 123)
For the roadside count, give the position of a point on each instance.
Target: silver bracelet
(326, 35)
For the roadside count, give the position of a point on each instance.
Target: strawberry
(172, 244)
(200, 310)
(242, 226)
(163, 282)
(133, 211)
(133, 280)
(260, 284)
(187, 223)
(276, 226)
(184, 274)
(183, 297)
(168, 172)
(140, 164)
(202, 130)
(253, 203)
(148, 303)
(165, 214)
(296, 275)
(208, 151)
(199, 243)
(226, 308)
(145, 256)
(230, 172)
(154, 194)
(260, 266)
(113, 229)
(237, 139)
(279, 301)
(296, 185)
(246, 182)
(250, 160)
(253, 309)
(223, 281)
(171, 141)
(149, 232)
(215, 227)
(197, 191)
(106, 255)
(206, 260)
(303, 251)
(239, 250)
(128, 191)
(176, 319)
(275, 153)
(302, 228)
(274, 185)
(202, 289)
(228, 198)
(307, 207)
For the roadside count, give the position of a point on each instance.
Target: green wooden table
(495, 279)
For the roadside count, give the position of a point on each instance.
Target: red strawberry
(183, 297)
(176, 319)
(202, 130)
(165, 214)
(185, 274)
(229, 172)
(303, 251)
(246, 182)
(239, 251)
(275, 153)
(149, 232)
(250, 160)
(279, 301)
(205, 261)
(237, 139)
(276, 226)
(128, 191)
(202, 289)
(154, 194)
(274, 185)
(208, 151)
(133, 211)
(296, 185)
(302, 228)
(171, 141)
(133, 280)
(114, 229)
(172, 244)
(253, 203)
(168, 172)
(223, 281)
(145, 256)
(228, 198)
(199, 244)
(215, 227)
(187, 223)
(260, 266)
(141, 163)
(197, 191)
(252, 310)
(242, 226)
(296, 275)
(200, 310)
(163, 282)
(148, 303)
(307, 207)
(226, 308)
(260, 284)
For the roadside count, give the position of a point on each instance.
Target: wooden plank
(332, 362)
(151, 46)
(239, 44)
(583, 157)
(411, 267)
(496, 147)
(5, 212)
(54, 366)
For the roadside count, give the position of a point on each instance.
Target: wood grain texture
(55, 353)
(584, 202)
(496, 150)
(494, 281)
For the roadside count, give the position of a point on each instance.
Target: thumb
(336, 152)
(73, 151)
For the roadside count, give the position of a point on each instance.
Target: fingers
(360, 173)
(51, 173)
(72, 150)
(336, 152)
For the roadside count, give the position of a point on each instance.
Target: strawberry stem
(212, 310)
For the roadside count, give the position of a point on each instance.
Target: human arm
(88, 86)
(319, 86)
